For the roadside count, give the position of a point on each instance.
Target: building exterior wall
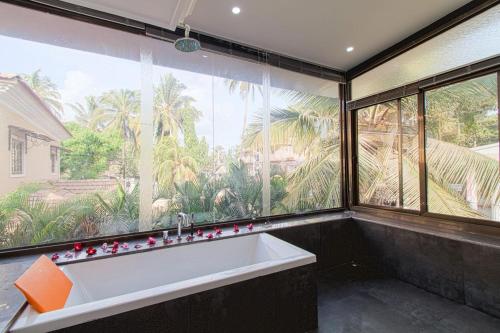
(37, 162)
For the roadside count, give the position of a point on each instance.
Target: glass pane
(462, 151)
(72, 113)
(409, 152)
(305, 143)
(469, 42)
(378, 154)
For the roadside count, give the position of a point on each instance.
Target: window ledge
(484, 235)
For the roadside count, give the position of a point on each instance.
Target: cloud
(77, 85)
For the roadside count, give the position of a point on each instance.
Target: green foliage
(86, 155)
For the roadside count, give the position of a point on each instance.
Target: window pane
(73, 113)
(462, 150)
(378, 154)
(409, 151)
(305, 143)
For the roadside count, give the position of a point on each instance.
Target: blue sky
(78, 74)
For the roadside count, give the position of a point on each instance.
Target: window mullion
(400, 152)
(421, 152)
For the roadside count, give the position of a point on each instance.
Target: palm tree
(120, 111)
(46, 90)
(240, 196)
(90, 113)
(170, 106)
(246, 91)
(171, 164)
(311, 126)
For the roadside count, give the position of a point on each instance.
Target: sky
(79, 73)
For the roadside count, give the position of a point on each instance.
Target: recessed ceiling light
(204, 56)
(236, 10)
(350, 49)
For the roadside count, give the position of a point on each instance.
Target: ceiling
(318, 31)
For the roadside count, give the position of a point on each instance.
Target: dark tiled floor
(356, 300)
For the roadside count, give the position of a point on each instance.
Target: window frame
(423, 211)
(23, 158)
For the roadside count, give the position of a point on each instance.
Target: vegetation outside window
(305, 146)
(462, 152)
(388, 154)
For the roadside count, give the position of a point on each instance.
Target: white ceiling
(162, 13)
(313, 30)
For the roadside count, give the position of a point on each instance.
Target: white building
(30, 136)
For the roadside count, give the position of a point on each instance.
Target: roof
(17, 96)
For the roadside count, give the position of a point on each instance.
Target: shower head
(186, 43)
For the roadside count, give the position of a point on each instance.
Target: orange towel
(44, 285)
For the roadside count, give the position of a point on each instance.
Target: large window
(462, 149)
(388, 154)
(124, 132)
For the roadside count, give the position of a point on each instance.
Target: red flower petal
(218, 231)
(78, 247)
(125, 246)
(91, 251)
(114, 250)
(151, 241)
(210, 236)
(55, 256)
(236, 228)
(250, 226)
(199, 233)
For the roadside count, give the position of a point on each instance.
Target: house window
(53, 159)
(17, 157)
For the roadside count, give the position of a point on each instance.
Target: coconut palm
(120, 111)
(241, 195)
(171, 106)
(247, 91)
(46, 89)
(90, 113)
(171, 164)
(311, 126)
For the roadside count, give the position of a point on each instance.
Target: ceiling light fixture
(350, 49)
(236, 10)
(204, 56)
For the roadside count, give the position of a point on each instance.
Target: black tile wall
(482, 278)
(332, 242)
(281, 302)
(461, 271)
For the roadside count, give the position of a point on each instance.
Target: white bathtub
(106, 287)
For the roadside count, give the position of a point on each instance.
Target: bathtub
(108, 287)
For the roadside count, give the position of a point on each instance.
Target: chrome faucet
(183, 220)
